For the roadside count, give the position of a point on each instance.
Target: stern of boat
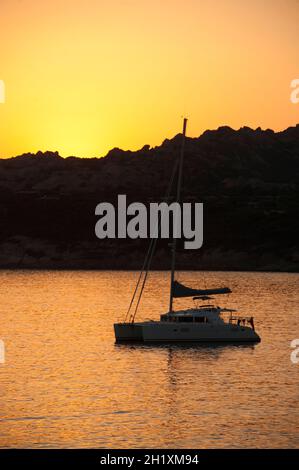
(126, 332)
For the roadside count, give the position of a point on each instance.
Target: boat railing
(241, 320)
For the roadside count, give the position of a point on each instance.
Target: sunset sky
(84, 76)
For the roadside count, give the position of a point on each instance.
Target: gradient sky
(84, 76)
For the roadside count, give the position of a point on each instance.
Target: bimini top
(179, 290)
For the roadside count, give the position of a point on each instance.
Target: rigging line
(144, 280)
(139, 279)
(154, 246)
(140, 275)
(151, 248)
(145, 263)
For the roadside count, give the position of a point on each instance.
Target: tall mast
(178, 197)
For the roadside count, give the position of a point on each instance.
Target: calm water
(66, 384)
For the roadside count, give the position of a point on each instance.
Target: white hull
(163, 332)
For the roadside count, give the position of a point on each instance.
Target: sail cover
(179, 290)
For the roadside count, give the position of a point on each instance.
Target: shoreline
(137, 269)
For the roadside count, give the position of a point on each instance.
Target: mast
(178, 196)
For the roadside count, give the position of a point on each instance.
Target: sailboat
(204, 323)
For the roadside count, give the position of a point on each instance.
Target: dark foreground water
(66, 384)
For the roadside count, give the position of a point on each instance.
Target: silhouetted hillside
(248, 180)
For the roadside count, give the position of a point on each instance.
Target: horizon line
(259, 128)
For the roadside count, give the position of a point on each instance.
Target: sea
(64, 383)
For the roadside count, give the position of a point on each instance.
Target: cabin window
(200, 319)
(186, 319)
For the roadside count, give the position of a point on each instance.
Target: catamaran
(204, 323)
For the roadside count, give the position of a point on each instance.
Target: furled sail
(179, 290)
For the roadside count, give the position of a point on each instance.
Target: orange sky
(83, 76)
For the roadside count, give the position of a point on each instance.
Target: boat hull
(126, 332)
(160, 332)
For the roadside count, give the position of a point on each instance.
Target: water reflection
(67, 384)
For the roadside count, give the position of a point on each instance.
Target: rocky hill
(248, 181)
